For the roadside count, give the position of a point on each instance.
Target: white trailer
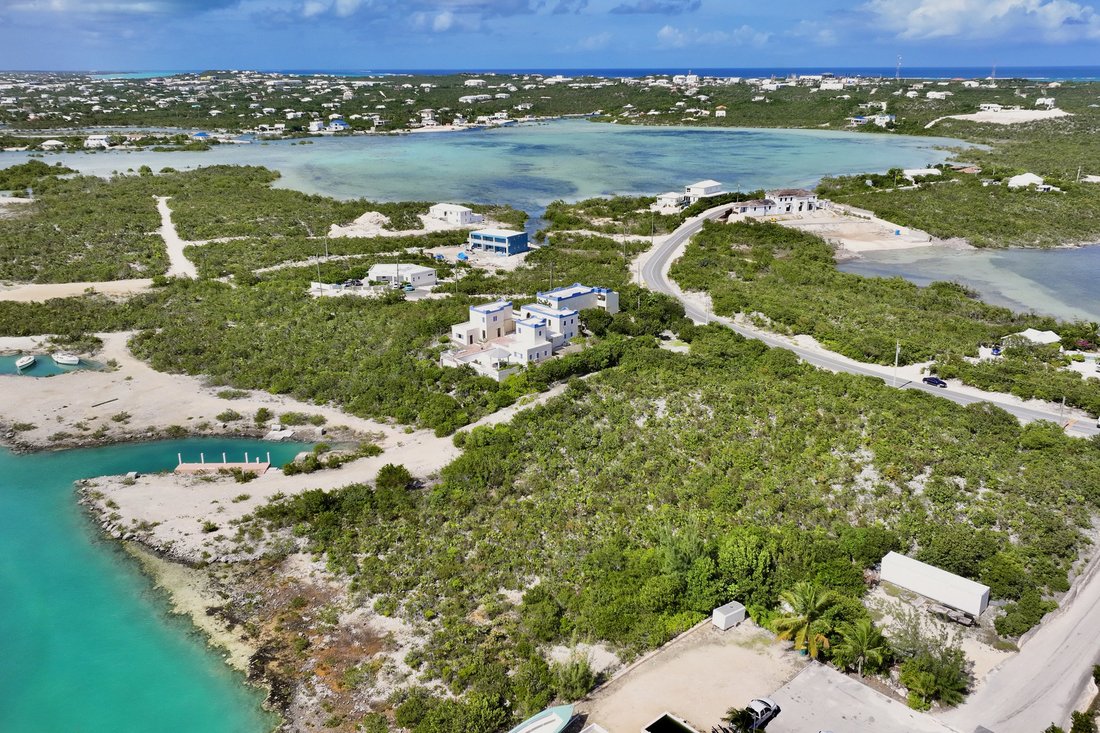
(727, 616)
(931, 582)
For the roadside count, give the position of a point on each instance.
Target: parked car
(763, 712)
(997, 350)
(408, 288)
(934, 381)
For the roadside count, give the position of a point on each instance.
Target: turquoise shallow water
(1060, 282)
(529, 166)
(43, 366)
(88, 645)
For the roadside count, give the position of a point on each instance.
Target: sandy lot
(37, 293)
(482, 260)
(696, 677)
(852, 234)
(1006, 117)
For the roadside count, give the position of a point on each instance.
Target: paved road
(654, 274)
(1045, 681)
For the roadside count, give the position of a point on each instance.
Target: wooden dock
(257, 466)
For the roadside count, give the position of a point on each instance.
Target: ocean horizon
(1039, 73)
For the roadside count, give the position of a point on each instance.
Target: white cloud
(594, 42)
(1050, 20)
(443, 21)
(822, 35)
(672, 37)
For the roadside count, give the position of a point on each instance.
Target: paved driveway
(822, 699)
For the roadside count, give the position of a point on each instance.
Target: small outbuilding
(934, 583)
(398, 274)
(455, 214)
(1035, 336)
(727, 616)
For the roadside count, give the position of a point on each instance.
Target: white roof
(451, 207)
(1039, 337)
(705, 184)
(399, 269)
(497, 232)
(671, 195)
(1024, 179)
(915, 172)
(935, 583)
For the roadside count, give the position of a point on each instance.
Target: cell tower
(897, 71)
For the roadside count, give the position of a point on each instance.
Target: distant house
(52, 145)
(720, 111)
(498, 241)
(474, 83)
(338, 126)
(701, 190)
(990, 107)
(455, 214)
(400, 274)
(97, 141)
(581, 297)
(937, 95)
(793, 200)
(1045, 102)
(1024, 180)
(914, 173)
(316, 126)
(671, 202)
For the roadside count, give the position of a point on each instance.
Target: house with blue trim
(498, 340)
(498, 241)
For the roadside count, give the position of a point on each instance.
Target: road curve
(654, 275)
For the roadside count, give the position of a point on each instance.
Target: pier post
(179, 459)
(269, 456)
(246, 458)
(202, 458)
(223, 458)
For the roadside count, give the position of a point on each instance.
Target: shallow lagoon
(530, 165)
(88, 645)
(1059, 282)
(43, 366)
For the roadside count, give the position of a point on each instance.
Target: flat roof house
(671, 202)
(702, 190)
(455, 214)
(499, 241)
(580, 297)
(398, 274)
(755, 207)
(498, 341)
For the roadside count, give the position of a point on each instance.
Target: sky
(162, 35)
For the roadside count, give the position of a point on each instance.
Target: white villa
(702, 190)
(793, 200)
(498, 340)
(669, 203)
(400, 273)
(97, 141)
(455, 214)
(755, 207)
(1025, 180)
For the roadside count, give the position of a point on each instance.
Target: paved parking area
(820, 698)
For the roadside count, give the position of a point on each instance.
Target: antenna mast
(897, 72)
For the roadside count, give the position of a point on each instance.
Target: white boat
(24, 361)
(551, 720)
(65, 359)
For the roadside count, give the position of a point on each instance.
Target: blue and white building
(498, 241)
(498, 340)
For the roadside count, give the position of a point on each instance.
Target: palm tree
(803, 626)
(740, 720)
(860, 644)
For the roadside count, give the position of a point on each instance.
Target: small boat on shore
(65, 359)
(551, 720)
(24, 362)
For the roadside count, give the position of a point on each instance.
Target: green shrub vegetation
(654, 491)
(790, 278)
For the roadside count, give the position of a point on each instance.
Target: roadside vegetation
(733, 472)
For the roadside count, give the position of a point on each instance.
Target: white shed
(932, 582)
(727, 616)
(1024, 180)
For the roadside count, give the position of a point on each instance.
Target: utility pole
(897, 355)
(551, 274)
(897, 71)
(1062, 410)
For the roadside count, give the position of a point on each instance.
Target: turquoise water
(530, 165)
(87, 645)
(43, 366)
(1060, 282)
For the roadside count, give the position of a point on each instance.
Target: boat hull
(24, 362)
(66, 359)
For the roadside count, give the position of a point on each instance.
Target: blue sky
(472, 34)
